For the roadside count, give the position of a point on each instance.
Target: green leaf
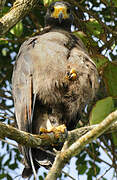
(114, 2)
(40, 178)
(81, 163)
(4, 11)
(9, 177)
(7, 162)
(45, 174)
(1, 160)
(94, 27)
(17, 30)
(4, 51)
(13, 166)
(114, 137)
(90, 173)
(109, 74)
(81, 158)
(82, 168)
(81, 35)
(3, 41)
(47, 2)
(100, 60)
(91, 170)
(101, 110)
(2, 176)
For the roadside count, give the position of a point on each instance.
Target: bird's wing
(22, 89)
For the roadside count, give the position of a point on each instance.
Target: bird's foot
(58, 131)
(61, 128)
(72, 75)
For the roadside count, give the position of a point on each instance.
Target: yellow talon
(43, 130)
(73, 71)
(60, 128)
(72, 75)
(60, 132)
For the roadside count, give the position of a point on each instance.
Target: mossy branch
(32, 140)
(69, 151)
(28, 139)
(73, 145)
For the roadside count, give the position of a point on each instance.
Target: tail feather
(38, 157)
(30, 130)
(32, 164)
(27, 172)
(30, 168)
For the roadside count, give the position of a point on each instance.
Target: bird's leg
(72, 75)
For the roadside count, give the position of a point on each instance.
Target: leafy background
(95, 22)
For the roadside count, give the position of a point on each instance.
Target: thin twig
(97, 158)
(104, 173)
(6, 117)
(68, 175)
(8, 142)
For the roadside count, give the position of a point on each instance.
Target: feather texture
(43, 89)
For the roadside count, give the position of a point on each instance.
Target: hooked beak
(60, 17)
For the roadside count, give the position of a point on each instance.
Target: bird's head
(59, 14)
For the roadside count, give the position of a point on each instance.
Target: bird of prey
(53, 80)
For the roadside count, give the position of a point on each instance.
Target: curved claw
(60, 133)
(72, 75)
(61, 129)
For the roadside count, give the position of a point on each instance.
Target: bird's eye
(52, 9)
(68, 10)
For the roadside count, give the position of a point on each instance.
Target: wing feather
(22, 88)
(42, 63)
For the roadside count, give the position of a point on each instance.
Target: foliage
(101, 110)
(96, 24)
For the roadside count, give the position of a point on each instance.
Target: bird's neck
(62, 28)
(54, 24)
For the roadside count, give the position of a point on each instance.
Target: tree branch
(28, 139)
(66, 153)
(75, 142)
(32, 140)
(17, 12)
